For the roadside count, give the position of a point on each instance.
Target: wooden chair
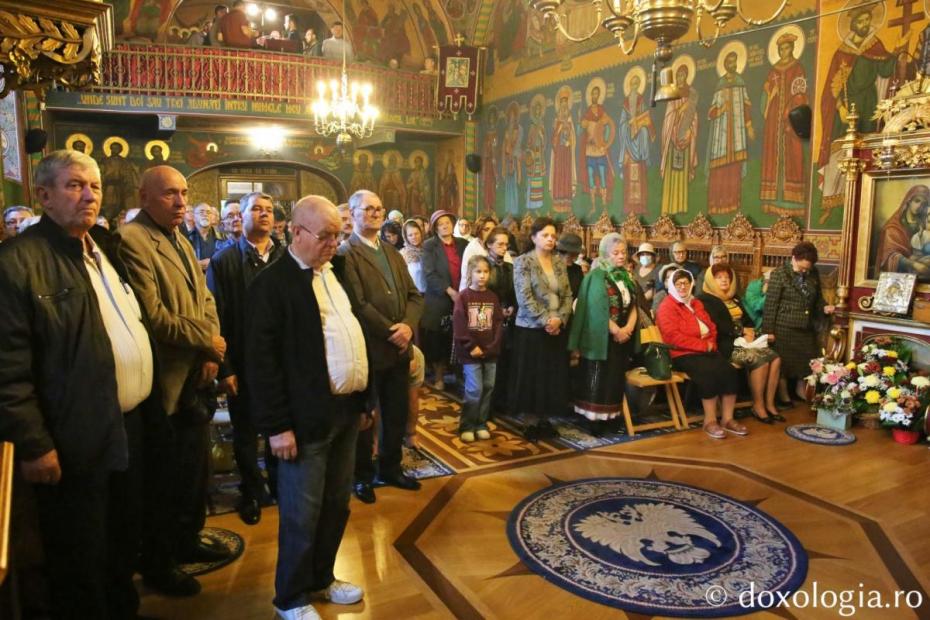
(638, 378)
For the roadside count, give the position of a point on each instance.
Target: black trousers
(245, 447)
(177, 470)
(90, 525)
(392, 389)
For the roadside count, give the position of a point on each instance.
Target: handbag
(658, 361)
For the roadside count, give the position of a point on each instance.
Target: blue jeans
(479, 388)
(313, 505)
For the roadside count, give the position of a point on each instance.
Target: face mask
(645, 260)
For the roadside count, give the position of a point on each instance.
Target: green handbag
(658, 361)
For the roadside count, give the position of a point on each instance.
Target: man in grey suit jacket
(163, 269)
(388, 305)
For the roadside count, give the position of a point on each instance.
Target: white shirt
(262, 256)
(122, 318)
(346, 359)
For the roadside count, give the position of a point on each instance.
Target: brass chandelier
(662, 21)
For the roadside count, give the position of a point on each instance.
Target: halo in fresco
(513, 110)
(741, 55)
(165, 149)
(596, 83)
(565, 92)
(635, 71)
(878, 16)
(108, 144)
(688, 61)
(386, 157)
(792, 29)
(79, 137)
(538, 99)
(413, 158)
(359, 152)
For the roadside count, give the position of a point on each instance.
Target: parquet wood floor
(861, 511)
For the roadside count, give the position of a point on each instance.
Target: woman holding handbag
(442, 268)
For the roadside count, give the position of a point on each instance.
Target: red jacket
(679, 327)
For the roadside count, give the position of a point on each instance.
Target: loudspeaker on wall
(800, 119)
(35, 140)
(473, 163)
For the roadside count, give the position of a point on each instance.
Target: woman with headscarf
(794, 305)
(442, 268)
(412, 251)
(732, 321)
(686, 326)
(392, 235)
(602, 330)
(475, 247)
(539, 379)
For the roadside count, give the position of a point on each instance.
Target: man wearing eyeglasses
(306, 360)
(228, 277)
(389, 306)
(12, 218)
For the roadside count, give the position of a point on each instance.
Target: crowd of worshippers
(320, 332)
(233, 26)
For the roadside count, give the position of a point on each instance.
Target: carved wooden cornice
(572, 225)
(700, 228)
(603, 225)
(665, 229)
(739, 230)
(632, 228)
(784, 231)
(53, 41)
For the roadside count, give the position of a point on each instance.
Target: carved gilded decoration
(784, 231)
(665, 229)
(632, 228)
(572, 225)
(700, 228)
(739, 230)
(603, 226)
(45, 42)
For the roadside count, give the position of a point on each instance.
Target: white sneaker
(483, 433)
(307, 612)
(467, 436)
(340, 593)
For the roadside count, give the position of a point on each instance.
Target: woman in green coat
(602, 330)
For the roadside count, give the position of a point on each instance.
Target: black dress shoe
(203, 552)
(249, 511)
(173, 582)
(769, 419)
(364, 492)
(777, 417)
(401, 481)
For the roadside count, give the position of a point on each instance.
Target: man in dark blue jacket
(229, 276)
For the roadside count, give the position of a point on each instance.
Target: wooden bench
(699, 418)
(638, 378)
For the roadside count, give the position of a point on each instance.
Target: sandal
(714, 431)
(732, 426)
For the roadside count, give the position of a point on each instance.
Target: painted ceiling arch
(406, 30)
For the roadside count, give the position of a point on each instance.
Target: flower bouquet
(903, 409)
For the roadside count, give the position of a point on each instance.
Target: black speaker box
(36, 140)
(473, 163)
(800, 119)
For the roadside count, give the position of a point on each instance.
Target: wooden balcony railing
(181, 71)
(6, 499)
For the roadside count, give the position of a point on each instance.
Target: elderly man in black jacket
(76, 373)
(308, 376)
(389, 306)
(228, 277)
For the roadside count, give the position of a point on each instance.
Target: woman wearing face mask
(686, 326)
(645, 272)
(539, 381)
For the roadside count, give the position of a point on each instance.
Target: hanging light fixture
(343, 109)
(662, 21)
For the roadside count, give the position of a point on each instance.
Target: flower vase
(834, 419)
(905, 436)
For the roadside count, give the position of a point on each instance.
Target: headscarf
(410, 252)
(618, 275)
(712, 288)
(670, 286)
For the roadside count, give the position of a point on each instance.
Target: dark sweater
(477, 321)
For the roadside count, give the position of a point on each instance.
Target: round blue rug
(822, 435)
(655, 548)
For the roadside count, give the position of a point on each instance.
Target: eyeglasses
(371, 210)
(325, 237)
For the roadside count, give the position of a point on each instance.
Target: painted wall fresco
(592, 143)
(402, 173)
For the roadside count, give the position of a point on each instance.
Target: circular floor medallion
(822, 435)
(654, 547)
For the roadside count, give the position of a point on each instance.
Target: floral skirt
(750, 359)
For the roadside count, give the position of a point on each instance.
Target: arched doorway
(285, 181)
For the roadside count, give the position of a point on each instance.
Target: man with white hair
(308, 374)
(205, 238)
(76, 380)
(230, 224)
(397, 217)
